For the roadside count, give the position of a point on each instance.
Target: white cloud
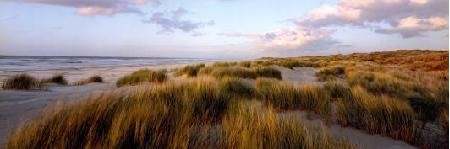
(394, 13)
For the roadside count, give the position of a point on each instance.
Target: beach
(17, 107)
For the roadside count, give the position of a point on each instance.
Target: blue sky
(219, 28)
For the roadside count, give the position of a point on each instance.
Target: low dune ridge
(341, 101)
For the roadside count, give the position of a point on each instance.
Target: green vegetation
(166, 116)
(21, 81)
(91, 79)
(253, 127)
(143, 75)
(218, 106)
(286, 96)
(241, 72)
(380, 115)
(190, 70)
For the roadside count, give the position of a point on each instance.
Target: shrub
(91, 79)
(190, 70)
(58, 79)
(21, 81)
(143, 75)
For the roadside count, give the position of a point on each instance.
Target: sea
(46, 63)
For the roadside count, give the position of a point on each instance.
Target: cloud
(285, 40)
(171, 21)
(96, 7)
(298, 39)
(423, 15)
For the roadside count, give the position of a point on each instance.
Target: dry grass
(286, 96)
(252, 127)
(241, 72)
(167, 115)
(21, 81)
(91, 79)
(190, 70)
(330, 73)
(141, 76)
(377, 114)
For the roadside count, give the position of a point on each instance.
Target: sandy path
(299, 75)
(360, 138)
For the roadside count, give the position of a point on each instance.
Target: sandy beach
(16, 107)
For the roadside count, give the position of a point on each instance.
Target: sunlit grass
(141, 76)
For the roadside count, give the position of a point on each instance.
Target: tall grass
(291, 63)
(92, 79)
(224, 64)
(58, 79)
(286, 96)
(143, 75)
(233, 87)
(190, 70)
(256, 127)
(241, 72)
(331, 73)
(377, 114)
(21, 81)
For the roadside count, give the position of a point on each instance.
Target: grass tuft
(190, 70)
(91, 79)
(143, 75)
(21, 81)
(58, 79)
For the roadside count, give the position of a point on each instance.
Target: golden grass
(241, 72)
(377, 114)
(258, 127)
(167, 115)
(286, 96)
(330, 73)
(21, 81)
(143, 75)
(190, 70)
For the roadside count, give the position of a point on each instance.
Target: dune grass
(330, 73)
(190, 70)
(165, 116)
(92, 79)
(241, 72)
(257, 127)
(291, 63)
(21, 81)
(141, 76)
(234, 88)
(286, 96)
(58, 79)
(377, 114)
(224, 64)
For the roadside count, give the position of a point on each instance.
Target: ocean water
(49, 63)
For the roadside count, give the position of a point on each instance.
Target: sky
(219, 28)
